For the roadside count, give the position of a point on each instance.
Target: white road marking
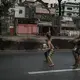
(54, 71)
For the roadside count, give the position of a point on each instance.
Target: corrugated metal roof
(43, 10)
(68, 25)
(45, 23)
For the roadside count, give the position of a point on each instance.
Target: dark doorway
(43, 30)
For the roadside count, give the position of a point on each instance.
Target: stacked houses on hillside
(32, 17)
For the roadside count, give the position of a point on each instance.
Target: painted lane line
(54, 71)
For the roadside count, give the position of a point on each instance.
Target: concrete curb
(28, 52)
(19, 38)
(34, 43)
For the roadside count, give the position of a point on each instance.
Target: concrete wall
(34, 44)
(62, 44)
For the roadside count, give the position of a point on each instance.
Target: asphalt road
(30, 66)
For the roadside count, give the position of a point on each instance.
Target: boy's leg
(50, 61)
(49, 58)
(76, 63)
(46, 55)
(79, 56)
(79, 59)
(75, 58)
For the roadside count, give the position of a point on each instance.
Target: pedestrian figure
(76, 51)
(49, 50)
(1, 44)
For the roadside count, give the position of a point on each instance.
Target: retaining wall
(33, 44)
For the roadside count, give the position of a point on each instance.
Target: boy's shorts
(51, 52)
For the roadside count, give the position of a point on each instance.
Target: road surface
(30, 66)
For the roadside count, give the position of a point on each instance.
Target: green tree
(5, 5)
(44, 5)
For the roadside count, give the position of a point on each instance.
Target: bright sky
(54, 1)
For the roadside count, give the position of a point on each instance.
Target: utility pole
(79, 9)
(59, 3)
(0, 17)
(79, 17)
